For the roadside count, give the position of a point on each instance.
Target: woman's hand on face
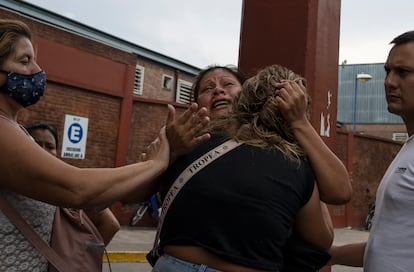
(184, 132)
(293, 102)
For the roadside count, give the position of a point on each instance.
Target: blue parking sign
(74, 137)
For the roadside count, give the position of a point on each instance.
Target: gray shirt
(391, 238)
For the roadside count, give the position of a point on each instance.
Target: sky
(201, 33)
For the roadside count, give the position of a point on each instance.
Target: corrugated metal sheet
(370, 97)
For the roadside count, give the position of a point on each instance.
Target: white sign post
(74, 137)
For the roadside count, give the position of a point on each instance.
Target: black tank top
(240, 207)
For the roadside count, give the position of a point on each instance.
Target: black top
(240, 207)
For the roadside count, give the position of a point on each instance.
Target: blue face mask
(25, 89)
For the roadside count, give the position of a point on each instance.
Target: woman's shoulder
(11, 127)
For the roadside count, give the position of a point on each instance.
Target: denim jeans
(167, 263)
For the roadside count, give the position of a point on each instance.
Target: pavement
(129, 246)
(347, 236)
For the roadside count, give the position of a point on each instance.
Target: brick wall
(367, 158)
(377, 130)
(153, 79)
(102, 112)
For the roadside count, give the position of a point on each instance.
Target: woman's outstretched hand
(184, 131)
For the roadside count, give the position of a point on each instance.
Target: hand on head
(293, 102)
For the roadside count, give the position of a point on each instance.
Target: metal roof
(54, 19)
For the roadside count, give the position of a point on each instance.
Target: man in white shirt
(389, 247)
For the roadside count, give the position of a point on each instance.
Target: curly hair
(255, 117)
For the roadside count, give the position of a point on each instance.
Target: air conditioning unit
(400, 136)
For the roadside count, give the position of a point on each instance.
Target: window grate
(184, 89)
(139, 80)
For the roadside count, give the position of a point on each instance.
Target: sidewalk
(128, 248)
(130, 245)
(346, 236)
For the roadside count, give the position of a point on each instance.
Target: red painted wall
(78, 68)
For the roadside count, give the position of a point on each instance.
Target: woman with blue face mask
(22, 79)
(35, 182)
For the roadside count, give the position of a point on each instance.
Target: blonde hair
(255, 118)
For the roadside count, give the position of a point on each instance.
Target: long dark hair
(230, 68)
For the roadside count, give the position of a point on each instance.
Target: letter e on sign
(75, 133)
